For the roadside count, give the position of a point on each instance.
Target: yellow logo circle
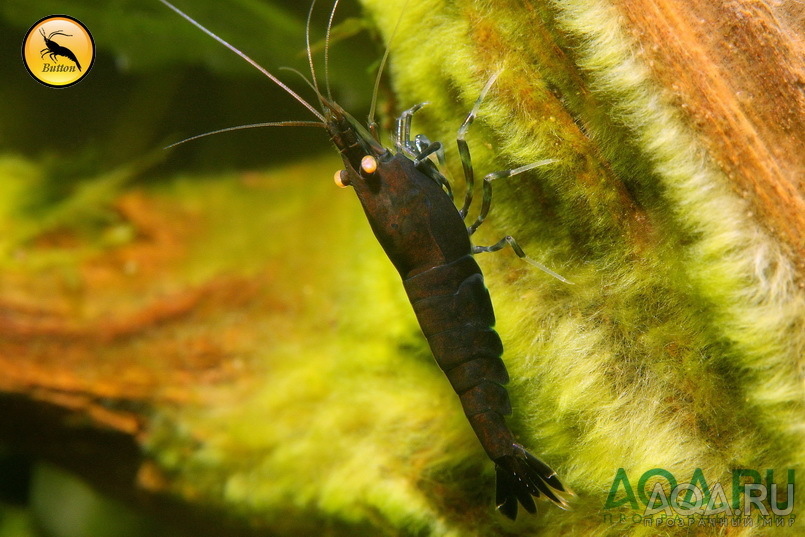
(58, 51)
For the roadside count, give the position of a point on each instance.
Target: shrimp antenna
(252, 126)
(383, 65)
(327, 52)
(310, 54)
(254, 64)
(301, 75)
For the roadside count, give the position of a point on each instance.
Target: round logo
(58, 51)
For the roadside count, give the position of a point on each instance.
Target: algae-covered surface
(226, 308)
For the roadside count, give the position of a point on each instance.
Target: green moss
(680, 346)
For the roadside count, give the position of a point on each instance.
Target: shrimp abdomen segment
(455, 313)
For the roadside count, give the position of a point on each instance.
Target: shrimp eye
(341, 178)
(369, 164)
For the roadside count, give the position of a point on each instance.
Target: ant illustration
(54, 49)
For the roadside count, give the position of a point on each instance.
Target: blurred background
(67, 154)
(157, 79)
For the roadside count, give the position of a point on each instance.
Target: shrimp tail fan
(521, 477)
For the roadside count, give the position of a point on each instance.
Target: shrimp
(410, 209)
(54, 49)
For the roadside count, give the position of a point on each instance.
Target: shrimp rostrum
(410, 209)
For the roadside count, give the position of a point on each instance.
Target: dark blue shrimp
(410, 209)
